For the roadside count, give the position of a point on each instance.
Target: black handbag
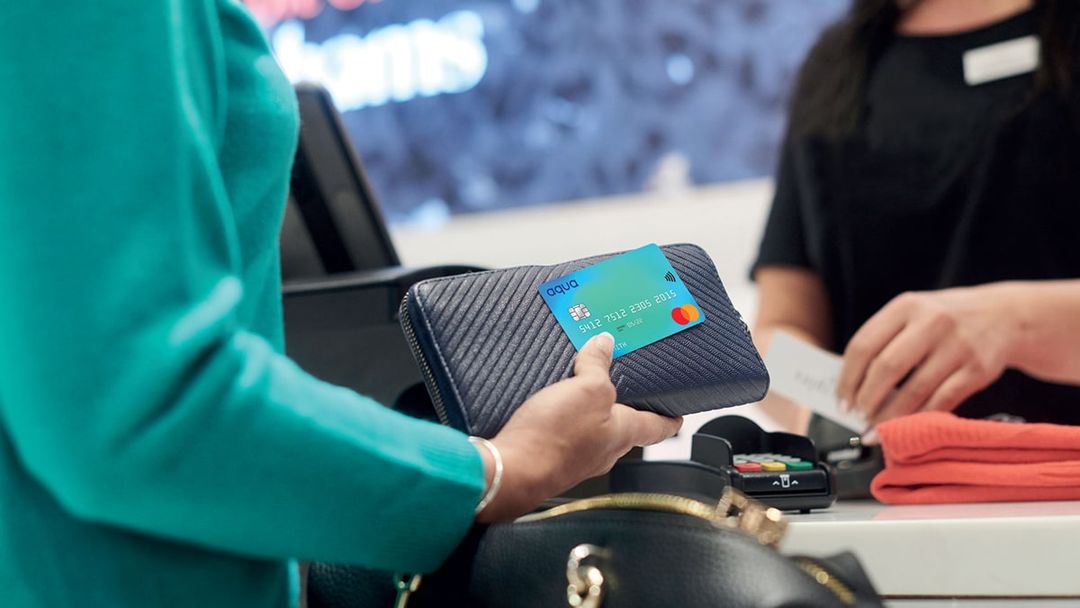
(615, 551)
(459, 326)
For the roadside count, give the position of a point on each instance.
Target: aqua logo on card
(636, 297)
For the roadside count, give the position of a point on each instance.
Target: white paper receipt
(808, 375)
(1001, 60)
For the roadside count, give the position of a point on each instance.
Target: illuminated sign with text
(421, 58)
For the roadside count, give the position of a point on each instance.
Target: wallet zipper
(421, 359)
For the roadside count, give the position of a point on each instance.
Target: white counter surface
(1005, 550)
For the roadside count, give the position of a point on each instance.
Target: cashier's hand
(935, 348)
(567, 433)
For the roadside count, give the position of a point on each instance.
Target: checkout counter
(926, 556)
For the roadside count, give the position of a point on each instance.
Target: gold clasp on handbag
(584, 581)
(764, 523)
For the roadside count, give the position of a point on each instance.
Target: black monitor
(299, 257)
(333, 222)
(342, 279)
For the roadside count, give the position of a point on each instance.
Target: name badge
(1001, 60)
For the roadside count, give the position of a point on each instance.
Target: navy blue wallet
(486, 341)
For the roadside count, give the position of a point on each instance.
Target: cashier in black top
(926, 221)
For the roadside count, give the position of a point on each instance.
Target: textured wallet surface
(486, 341)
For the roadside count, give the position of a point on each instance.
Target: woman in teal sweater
(156, 448)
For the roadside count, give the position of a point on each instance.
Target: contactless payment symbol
(685, 314)
(579, 312)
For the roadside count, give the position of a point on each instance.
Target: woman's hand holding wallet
(500, 367)
(567, 433)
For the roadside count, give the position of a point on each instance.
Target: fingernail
(871, 437)
(606, 341)
(845, 406)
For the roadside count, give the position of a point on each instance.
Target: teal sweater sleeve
(131, 385)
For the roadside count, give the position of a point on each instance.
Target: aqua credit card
(636, 297)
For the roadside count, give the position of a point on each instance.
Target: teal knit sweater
(156, 447)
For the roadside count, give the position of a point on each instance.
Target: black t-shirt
(941, 185)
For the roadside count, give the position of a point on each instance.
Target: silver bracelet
(496, 481)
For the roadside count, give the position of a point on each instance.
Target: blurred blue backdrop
(468, 105)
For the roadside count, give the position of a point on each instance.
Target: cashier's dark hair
(828, 94)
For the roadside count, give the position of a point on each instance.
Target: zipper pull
(407, 584)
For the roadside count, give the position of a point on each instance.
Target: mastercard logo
(687, 313)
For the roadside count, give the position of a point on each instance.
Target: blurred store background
(465, 106)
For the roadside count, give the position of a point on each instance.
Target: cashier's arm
(948, 344)
(794, 300)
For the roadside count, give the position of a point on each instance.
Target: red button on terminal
(748, 467)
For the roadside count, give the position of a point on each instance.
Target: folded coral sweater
(935, 457)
